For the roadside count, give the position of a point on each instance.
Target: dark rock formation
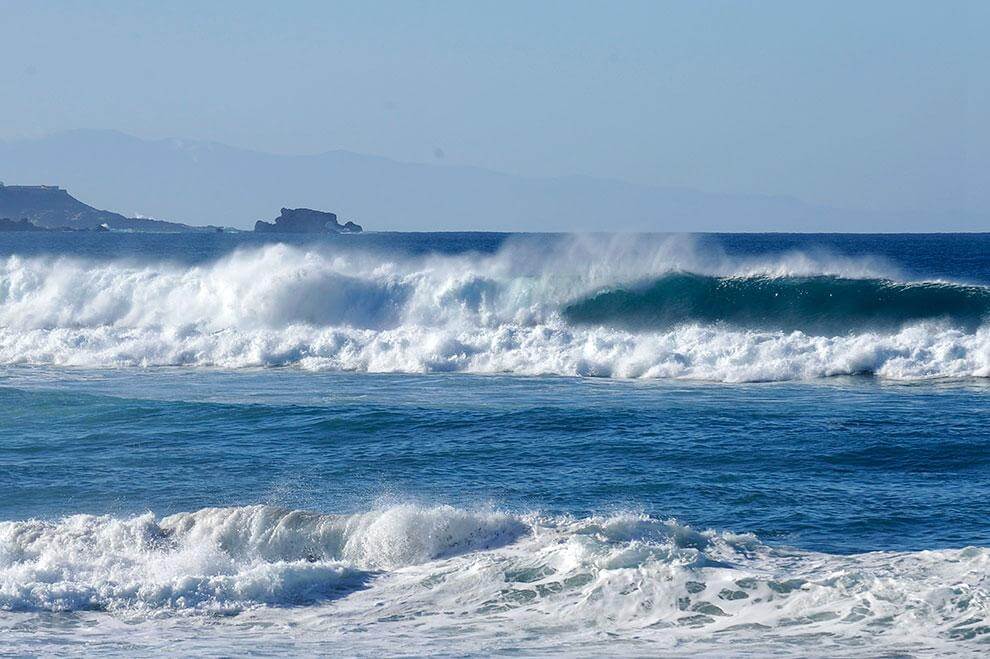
(52, 207)
(305, 220)
(19, 225)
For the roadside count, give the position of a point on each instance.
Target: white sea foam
(482, 581)
(280, 305)
(221, 557)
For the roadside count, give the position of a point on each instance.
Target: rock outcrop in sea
(306, 220)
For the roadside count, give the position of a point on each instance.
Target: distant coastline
(202, 183)
(52, 208)
(37, 208)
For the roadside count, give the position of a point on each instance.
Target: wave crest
(825, 305)
(513, 312)
(624, 573)
(219, 557)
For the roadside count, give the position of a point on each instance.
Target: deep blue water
(838, 442)
(961, 257)
(844, 466)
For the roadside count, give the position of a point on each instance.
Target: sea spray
(622, 309)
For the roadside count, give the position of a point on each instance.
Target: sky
(867, 105)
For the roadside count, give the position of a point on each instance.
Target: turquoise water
(409, 444)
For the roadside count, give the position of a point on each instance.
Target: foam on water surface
(479, 581)
(571, 311)
(863, 494)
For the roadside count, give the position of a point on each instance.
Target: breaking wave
(410, 567)
(220, 557)
(578, 309)
(819, 305)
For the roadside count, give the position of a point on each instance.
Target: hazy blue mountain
(209, 183)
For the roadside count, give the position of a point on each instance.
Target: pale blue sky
(873, 105)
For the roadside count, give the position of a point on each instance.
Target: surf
(666, 310)
(412, 565)
(823, 304)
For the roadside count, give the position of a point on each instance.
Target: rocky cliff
(52, 207)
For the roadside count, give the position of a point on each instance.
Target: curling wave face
(425, 572)
(669, 312)
(821, 304)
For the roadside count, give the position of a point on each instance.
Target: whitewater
(577, 307)
(494, 444)
(577, 584)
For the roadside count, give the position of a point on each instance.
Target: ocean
(494, 444)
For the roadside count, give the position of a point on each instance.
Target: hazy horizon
(209, 183)
(814, 102)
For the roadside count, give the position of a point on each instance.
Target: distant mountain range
(206, 183)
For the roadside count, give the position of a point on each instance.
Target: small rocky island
(305, 220)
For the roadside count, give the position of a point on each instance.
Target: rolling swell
(817, 304)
